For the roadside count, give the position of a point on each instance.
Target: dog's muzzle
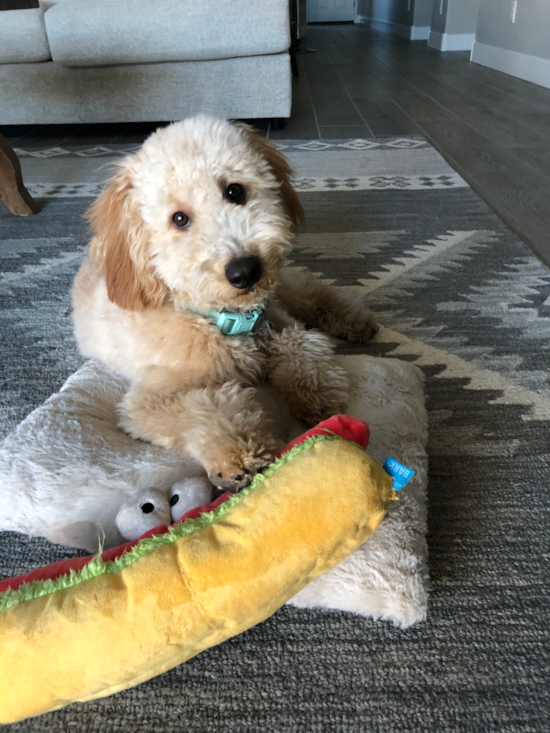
(244, 272)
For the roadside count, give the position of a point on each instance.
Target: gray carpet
(457, 294)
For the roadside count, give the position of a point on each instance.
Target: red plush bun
(349, 428)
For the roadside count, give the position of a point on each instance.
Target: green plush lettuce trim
(97, 567)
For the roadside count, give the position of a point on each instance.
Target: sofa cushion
(103, 33)
(23, 37)
(47, 4)
(239, 88)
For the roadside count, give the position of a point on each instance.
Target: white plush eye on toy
(188, 494)
(150, 510)
(154, 508)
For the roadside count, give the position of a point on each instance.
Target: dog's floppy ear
(283, 172)
(120, 245)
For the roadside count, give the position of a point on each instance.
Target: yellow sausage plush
(83, 630)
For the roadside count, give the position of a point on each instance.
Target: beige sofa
(144, 60)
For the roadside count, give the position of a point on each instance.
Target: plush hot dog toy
(89, 627)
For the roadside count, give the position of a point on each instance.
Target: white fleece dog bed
(387, 577)
(67, 472)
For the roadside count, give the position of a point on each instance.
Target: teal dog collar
(235, 324)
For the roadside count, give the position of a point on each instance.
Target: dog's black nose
(244, 272)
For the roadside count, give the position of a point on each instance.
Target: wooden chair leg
(12, 189)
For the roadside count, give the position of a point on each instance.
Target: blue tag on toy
(400, 474)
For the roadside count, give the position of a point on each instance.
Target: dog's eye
(147, 508)
(174, 500)
(181, 220)
(236, 193)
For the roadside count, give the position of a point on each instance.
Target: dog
(183, 293)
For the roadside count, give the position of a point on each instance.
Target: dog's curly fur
(192, 388)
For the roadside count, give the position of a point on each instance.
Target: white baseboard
(420, 33)
(414, 33)
(451, 41)
(435, 40)
(529, 68)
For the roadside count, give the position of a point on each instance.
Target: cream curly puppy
(183, 294)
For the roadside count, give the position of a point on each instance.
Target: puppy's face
(205, 210)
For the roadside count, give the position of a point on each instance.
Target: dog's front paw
(234, 470)
(312, 407)
(358, 329)
(237, 482)
(304, 369)
(368, 325)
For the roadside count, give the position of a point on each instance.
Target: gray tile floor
(492, 128)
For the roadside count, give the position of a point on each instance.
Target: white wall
(521, 48)
(388, 11)
(454, 24)
(422, 13)
(401, 17)
(439, 16)
(530, 34)
(462, 16)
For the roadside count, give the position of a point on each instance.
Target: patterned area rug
(457, 294)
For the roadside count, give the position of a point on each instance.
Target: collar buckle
(236, 324)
